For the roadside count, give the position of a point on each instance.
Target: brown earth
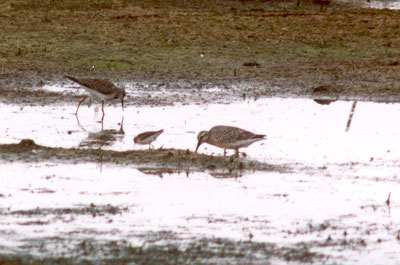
(158, 161)
(279, 49)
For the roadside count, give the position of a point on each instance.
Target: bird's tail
(74, 79)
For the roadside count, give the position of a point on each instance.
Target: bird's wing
(148, 134)
(227, 133)
(101, 85)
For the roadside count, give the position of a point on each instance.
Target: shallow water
(385, 4)
(333, 201)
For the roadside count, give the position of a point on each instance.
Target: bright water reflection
(298, 130)
(269, 206)
(337, 190)
(385, 4)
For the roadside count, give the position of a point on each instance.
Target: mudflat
(277, 47)
(59, 206)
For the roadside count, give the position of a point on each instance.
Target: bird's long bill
(197, 147)
(122, 103)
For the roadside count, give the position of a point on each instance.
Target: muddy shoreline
(273, 48)
(165, 160)
(196, 251)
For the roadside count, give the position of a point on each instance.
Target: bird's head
(202, 137)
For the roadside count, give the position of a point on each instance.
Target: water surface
(332, 203)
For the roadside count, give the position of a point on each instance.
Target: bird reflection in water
(103, 137)
(161, 171)
(227, 174)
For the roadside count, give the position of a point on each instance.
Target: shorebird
(101, 89)
(147, 137)
(228, 137)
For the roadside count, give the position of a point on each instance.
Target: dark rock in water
(324, 101)
(27, 142)
(319, 89)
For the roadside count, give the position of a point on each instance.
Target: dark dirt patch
(175, 159)
(94, 210)
(196, 251)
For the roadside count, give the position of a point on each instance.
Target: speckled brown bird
(147, 137)
(101, 89)
(228, 137)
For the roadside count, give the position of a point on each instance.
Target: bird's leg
(236, 152)
(102, 107)
(121, 129)
(80, 102)
(79, 124)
